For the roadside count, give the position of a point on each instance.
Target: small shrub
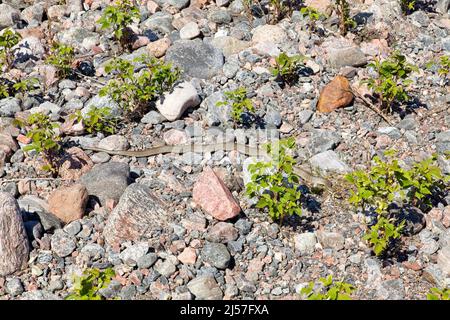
(97, 120)
(21, 86)
(329, 290)
(44, 139)
(87, 286)
(443, 65)
(274, 183)
(132, 90)
(239, 103)
(287, 67)
(383, 233)
(387, 182)
(8, 39)
(342, 9)
(407, 6)
(119, 16)
(275, 9)
(62, 56)
(392, 80)
(438, 294)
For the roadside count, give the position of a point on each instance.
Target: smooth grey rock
(14, 287)
(196, 58)
(9, 107)
(114, 175)
(114, 143)
(62, 243)
(153, 117)
(323, 140)
(8, 16)
(347, 56)
(146, 261)
(219, 16)
(14, 248)
(160, 21)
(216, 254)
(165, 268)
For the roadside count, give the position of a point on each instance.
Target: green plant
(342, 9)
(438, 294)
(44, 138)
(329, 290)
(21, 86)
(239, 103)
(382, 233)
(119, 17)
(97, 120)
(61, 56)
(87, 286)
(8, 39)
(392, 80)
(387, 181)
(275, 183)
(287, 67)
(407, 6)
(443, 65)
(134, 90)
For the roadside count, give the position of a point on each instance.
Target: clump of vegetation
(274, 183)
(97, 120)
(8, 39)
(407, 6)
(438, 294)
(329, 290)
(342, 9)
(21, 86)
(392, 81)
(87, 286)
(275, 9)
(62, 57)
(287, 68)
(387, 182)
(133, 90)
(119, 16)
(239, 103)
(45, 141)
(313, 15)
(443, 65)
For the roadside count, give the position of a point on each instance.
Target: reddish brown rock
(74, 163)
(140, 42)
(336, 94)
(68, 203)
(159, 47)
(211, 194)
(14, 247)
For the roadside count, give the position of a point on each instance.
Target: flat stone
(329, 161)
(336, 94)
(68, 203)
(216, 254)
(205, 287)
(62, 243)
(173, 104)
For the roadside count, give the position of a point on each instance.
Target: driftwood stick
(369, 104)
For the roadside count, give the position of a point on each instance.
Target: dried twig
(369, 104)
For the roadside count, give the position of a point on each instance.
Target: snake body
(301, 170)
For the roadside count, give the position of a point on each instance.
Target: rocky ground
(179, 226)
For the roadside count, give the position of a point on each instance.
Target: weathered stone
(114, 175)
(269, 33)
(68, 203)
(63, 244)
(222, 232)
(205, 287)
(305, 243)
(173, 104)
(196, 58)
(14, 247)
(74, 163)
(214, 197)
(216, 254)
(336, 94)
(328, 162)
(138, 215)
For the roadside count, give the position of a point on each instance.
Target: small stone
(62, 243)
(173, 104)
(222, 232)
(146, 261)
(189, 31)
(134, 252)
(14, 247)
(165, 268)
(159, 47)
(332, 240)
(305, 243)
(216, 254)
(188, 256)
(329, 161)
(269, 33)
(336, 94)
(114, 143)
(14, 287)
(68, 203)
(205, 287)
(212, 195)
(443, 260)
(175, 137)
